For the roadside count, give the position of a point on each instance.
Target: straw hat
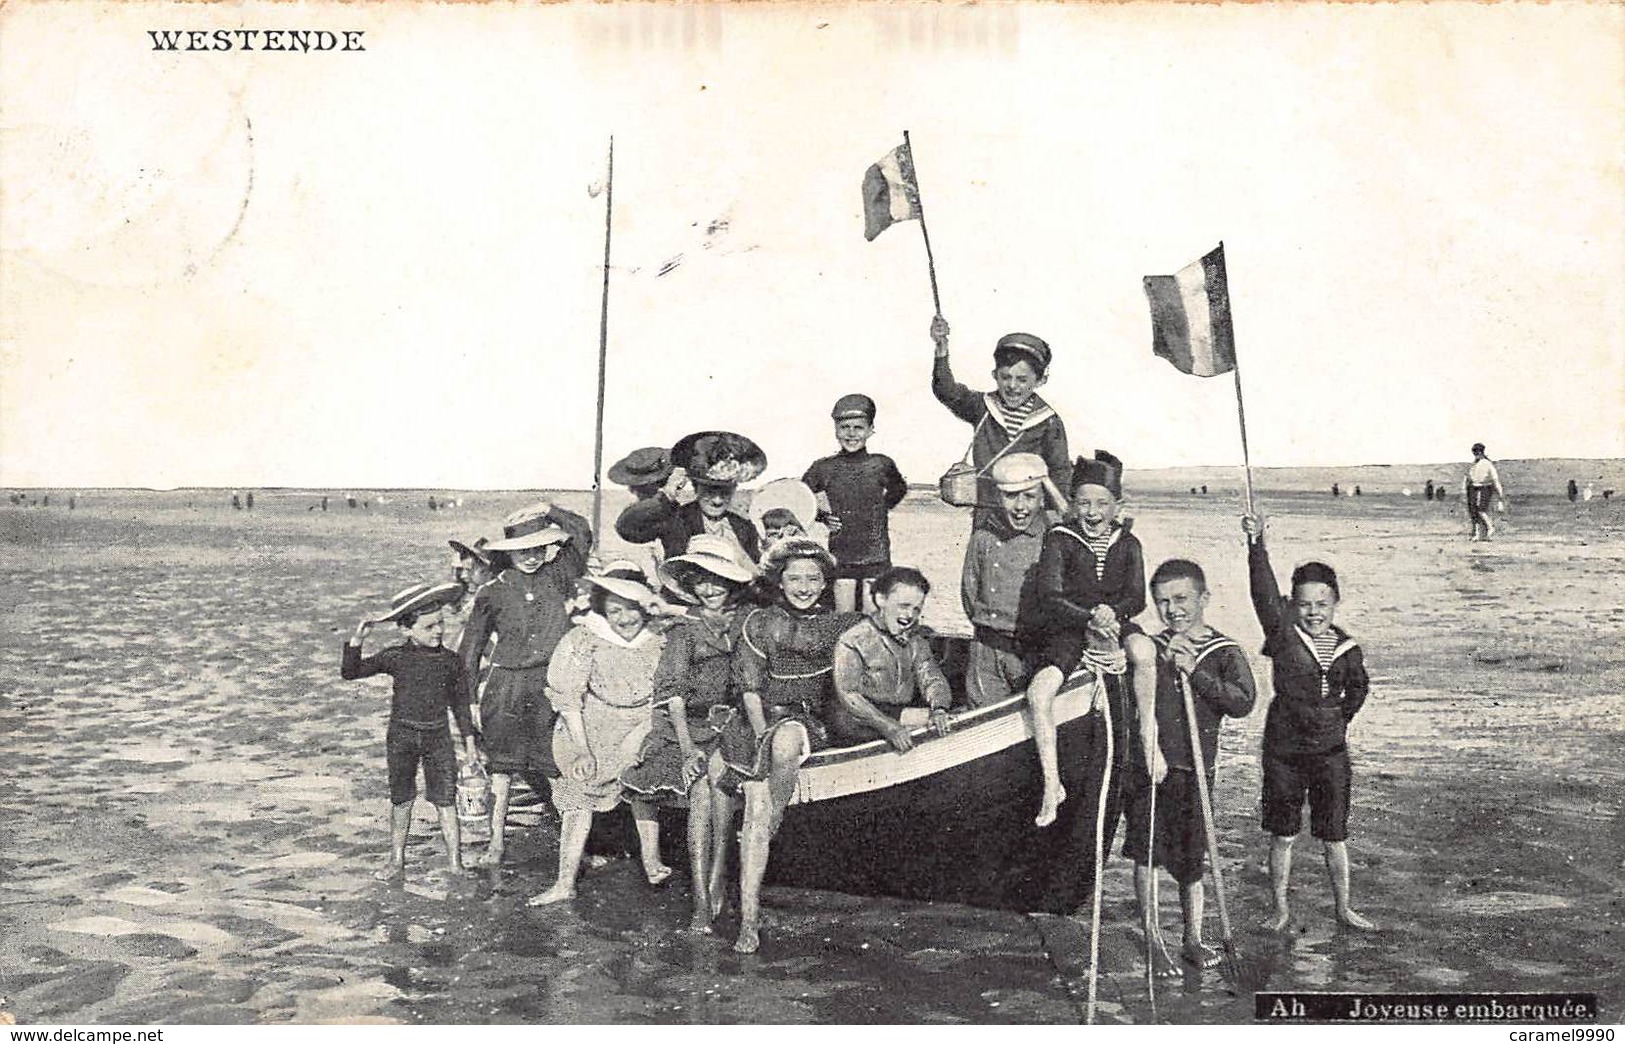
(527, 528)
(781, 551)
(707, 554)
(792, 495)
(420, 596)
(719, 457)
(624, 579)
(650, 466)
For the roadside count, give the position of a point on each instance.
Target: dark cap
(1315, 573)
(1034, 348)
(1105, 470)
(649, 466)
(854, 405)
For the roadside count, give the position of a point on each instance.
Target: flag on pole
(890, 192)
(1190, 317)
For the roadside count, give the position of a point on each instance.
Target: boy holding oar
(1221, 685)
(1320, 684)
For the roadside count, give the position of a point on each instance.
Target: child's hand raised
(1253, 525)
(939, 332)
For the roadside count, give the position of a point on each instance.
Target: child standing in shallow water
(429, 680)
(1320, 684)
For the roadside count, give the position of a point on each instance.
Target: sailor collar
(1040, 412)
(1214, 642)
(600, 627)
(1344, 644)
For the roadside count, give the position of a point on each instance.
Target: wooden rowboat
(952, 819)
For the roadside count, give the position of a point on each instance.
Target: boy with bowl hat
(717, 463)
(860, 488)
(1011, 419)
(525, 610)
(998, 586)
(429, 681)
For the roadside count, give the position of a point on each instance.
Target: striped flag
(1190, 317)
(890, 192)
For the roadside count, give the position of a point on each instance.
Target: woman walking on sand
(1482, 480)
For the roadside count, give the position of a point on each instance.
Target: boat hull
(952, 819)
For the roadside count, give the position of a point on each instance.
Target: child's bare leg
(1191, 909)
(500, 782)
(1041, 698)
(1280, 880)
(1337, 865)
(753, 848)
(572, 842)
(1163, 963)
(699, 853)
(452, 831)
(722, 822)
(643, 816)
(400, 824)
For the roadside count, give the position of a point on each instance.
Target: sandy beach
(195, 803)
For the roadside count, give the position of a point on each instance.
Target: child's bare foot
(1354, 920)
(1162, 964)
(657, 875)
(1199, 955)
(719, 899)
(394, 870)
(749, 941)
(1054, 794)
(1276, 921)
(700, 923)
(557, 894)
(492, 856)
(596, 862)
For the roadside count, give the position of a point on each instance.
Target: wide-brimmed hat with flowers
(705, 554)
(527, 528)
(418, 597)
(720, 458)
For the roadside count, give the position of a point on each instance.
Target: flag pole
(1241, 411)
(930, 263)
(603, 358)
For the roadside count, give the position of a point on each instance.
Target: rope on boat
(1102, 665)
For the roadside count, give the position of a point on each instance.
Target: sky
(383, 269)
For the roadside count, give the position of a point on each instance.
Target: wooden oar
(1231, 965)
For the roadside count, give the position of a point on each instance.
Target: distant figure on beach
(1357, 491)
(432, 504)
(1574, 491)
(1588, 494)
(1607, 494)
(236, 502)
(1320, 684)
(351, 499)
(1481, 483)
(1204, 489)
(324, 503)
(72, 502)
(46, 500)
(1336, 492)
(248, 500)
(1427, 491)
(1193, 491)
(429, 681)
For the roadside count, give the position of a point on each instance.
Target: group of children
(1053, 578)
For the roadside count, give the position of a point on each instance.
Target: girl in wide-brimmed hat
(717, 463)
(524, 610)
(693, 693)
(429, 680)
(782, 667)
(601, 680)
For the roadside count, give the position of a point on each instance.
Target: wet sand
(194, 801)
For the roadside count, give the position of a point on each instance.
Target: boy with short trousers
(1320, 683)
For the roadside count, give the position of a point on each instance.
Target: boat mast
(603, 359)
